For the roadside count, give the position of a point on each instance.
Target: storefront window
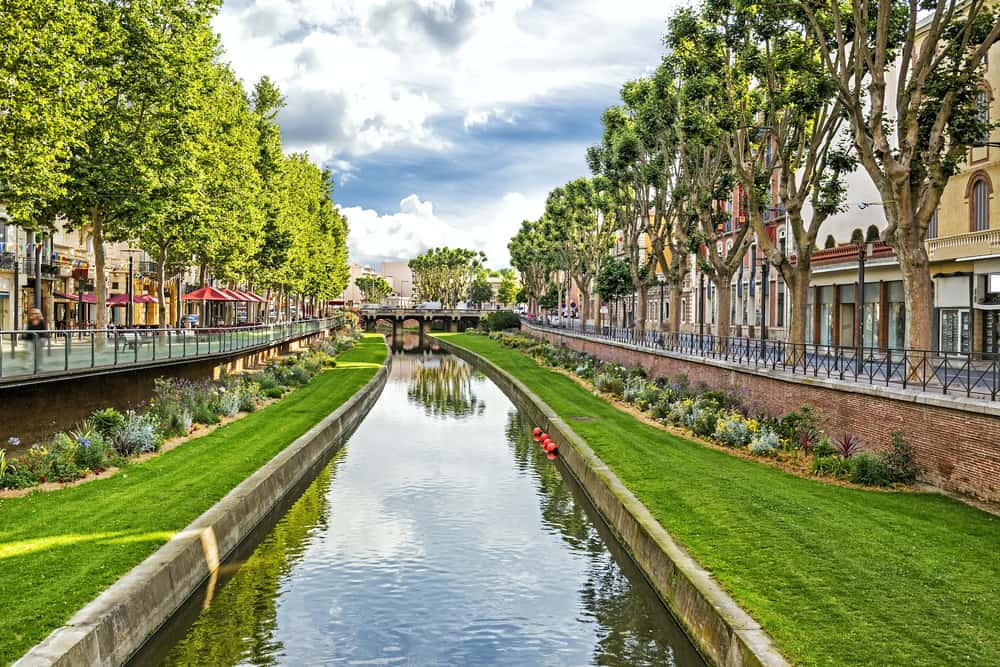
(871, 315)
(896, 315)
(826, 315)
(954, 330)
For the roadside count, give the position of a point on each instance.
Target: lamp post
(701, 307)
(764, 270)
(862, 254)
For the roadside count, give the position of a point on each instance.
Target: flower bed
(110, 439)
(795, 440)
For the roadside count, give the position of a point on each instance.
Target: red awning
(146, 298)
(208, 294)
(87, 298)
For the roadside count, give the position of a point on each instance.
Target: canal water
(439, 535)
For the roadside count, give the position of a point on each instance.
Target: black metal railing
(949, 373)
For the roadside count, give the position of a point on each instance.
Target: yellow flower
(753, 425)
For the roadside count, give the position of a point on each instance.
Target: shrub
(872, 234)
(228, 401)
(830, 242)
(5, 468)
(868, 470)
(847, 445)
(91, 449)
(274, 392)
(107, 422)
(764, 443)
(137, 434)
(249, 393)
(58, 463)
(898, 461)
(500, 320)
(703, 421)
(823, 448)
(610, 384)
(792, 426)
(830, 465)
(732, 431)
(680, 412)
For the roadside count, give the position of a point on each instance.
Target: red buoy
(545, 441)
(543, 436)
(537, 432)
(550, 456)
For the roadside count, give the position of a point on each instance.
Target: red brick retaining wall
(957, 446)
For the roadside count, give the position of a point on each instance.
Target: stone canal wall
(113, 627)
(955, 440)
(722, 631)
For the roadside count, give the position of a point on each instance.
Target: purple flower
(13, 441)
(84, 442)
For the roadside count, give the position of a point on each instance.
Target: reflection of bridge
(452, 320)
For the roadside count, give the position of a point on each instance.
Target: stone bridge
(451, 320)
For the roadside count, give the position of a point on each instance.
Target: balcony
(963, 246)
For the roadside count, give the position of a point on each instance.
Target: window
(980, 206)
(983, 114)
(932, 226)
(993, 283)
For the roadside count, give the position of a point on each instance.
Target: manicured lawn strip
(837, 576)
(59, 550)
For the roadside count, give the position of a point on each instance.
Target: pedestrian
(37, 329)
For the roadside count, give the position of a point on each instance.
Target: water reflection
(241, 622)
(443, 386)
(446, 538)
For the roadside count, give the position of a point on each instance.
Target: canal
(439, 535)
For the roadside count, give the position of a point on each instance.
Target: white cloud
(416, 227)
(389, 68)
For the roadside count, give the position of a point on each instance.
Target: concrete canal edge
(722, 631)
(109, 630)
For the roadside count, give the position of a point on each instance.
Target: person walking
(37, 331)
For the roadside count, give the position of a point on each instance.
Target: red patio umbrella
(208, 294)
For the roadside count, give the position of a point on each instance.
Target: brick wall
(958, 449)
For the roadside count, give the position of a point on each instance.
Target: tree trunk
(917, 287)
(161, 273)
(640, 312)
(724, 296)
(584, 305)
(100, 290)
(798, 319)
(798, 290)
(675, 308)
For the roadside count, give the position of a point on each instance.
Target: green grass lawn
(837, 576)
(59, 550)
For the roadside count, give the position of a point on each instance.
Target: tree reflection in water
(240, 624)
(634, 622)
(443, 386)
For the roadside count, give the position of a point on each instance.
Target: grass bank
(837, 576)
(59, 550)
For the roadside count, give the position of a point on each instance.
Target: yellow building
(964, 239)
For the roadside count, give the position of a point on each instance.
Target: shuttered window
(980, 206)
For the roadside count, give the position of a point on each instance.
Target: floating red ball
(550, 447)
(536, 432)
(550, 456)
(543, 436)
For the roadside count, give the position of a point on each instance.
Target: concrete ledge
(120, 620)
(722, 631)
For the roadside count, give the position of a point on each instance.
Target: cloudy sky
(445, 121)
